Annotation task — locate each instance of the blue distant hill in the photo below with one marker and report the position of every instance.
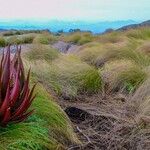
(55, 25)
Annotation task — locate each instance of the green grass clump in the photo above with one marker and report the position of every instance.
(13, 40)
(131, 78)
(113, 37)
(79, 38)
(47, 128)
(2, 42)
(123, 74)
(9, 33)
(79, 76)
(19, 39)
(140, 34)
(136, 56)
(90, 81)
(128, 52)
(89, 52)
(42, 52)
(145, 48)
(44, 39)
(27, 39)
(68, 76)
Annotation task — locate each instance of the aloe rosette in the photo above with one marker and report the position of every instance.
(15, 93)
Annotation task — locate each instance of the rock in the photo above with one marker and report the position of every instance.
(64, 47)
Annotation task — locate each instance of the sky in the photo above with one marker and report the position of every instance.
(102, 10)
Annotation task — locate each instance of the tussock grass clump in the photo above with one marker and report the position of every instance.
(27, 39)
(42, 52)
(68, 76)
(20, 39)
(97, 53)
(13, 40)
(113, 37)
(140, 34)
(123, 74)
(142, 94)
(79, 38)
(2, 42)
(78, 74)
(10, 33)
(48, 128)
(133, 55)
(89, 52)
(44, 39)
(145, 48)
(123, 53)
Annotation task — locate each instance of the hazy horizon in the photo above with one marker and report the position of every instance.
(95, 16)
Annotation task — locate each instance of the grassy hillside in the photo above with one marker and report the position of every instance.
(107, 75)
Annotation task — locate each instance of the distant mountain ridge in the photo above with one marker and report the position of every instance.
(133, 26)
(56, 25)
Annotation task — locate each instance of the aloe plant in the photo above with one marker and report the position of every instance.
(15, 94)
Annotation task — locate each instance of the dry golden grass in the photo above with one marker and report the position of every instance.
(44, 38)
(79, 38)
(145, 48)
(114, 37)
(67, 75)
(142, 33)
(123, 74)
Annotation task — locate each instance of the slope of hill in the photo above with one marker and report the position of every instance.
(133, 26)
(103, 85)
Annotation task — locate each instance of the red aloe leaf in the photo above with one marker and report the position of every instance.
(6, 72)
(15, 92)
(29, 103)
(22, 77)
(32, 90)
(1, 76)
(22, 107)
(7, 116)
(5, 103)
(26, 86)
